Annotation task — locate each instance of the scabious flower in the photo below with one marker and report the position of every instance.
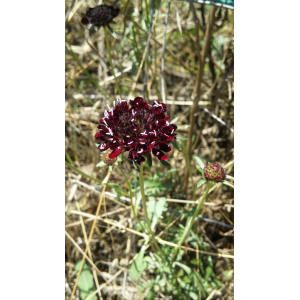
(214, 172)
(100, 15)
(137, 127)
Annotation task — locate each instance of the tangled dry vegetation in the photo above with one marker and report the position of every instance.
(90, 86)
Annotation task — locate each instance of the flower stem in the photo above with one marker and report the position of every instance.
(131, 197)
(190, 221)
(188, 162)
(110, 61)
(150, 232)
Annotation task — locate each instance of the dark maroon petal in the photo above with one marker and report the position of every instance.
(132, 155)
(164, 147)
(143, 149)
(103, 147)
(136, 157)
(97, 136)
(140, 160)
(85, 21)
(115, 153)
(159, 154)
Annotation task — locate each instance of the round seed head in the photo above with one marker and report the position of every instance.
(214, 172)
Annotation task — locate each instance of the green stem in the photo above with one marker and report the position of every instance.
(131, 197)
(190, 221)
(110, 61)
(141, 179)
(150, 232)
(188, 162)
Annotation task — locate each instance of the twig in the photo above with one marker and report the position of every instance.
(163, 57)
(148, 48)
(206, 45)
(143, 59)
(110, 61)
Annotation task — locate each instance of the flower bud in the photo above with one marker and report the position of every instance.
(107, 160)
(214, 172)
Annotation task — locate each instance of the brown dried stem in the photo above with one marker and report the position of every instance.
(194, 107)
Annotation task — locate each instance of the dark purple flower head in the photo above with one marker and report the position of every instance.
(214, 172)
(100, 15)
(137, 128)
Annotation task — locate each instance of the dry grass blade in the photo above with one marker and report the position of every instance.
(87, 258)
(89, 250)
(92, 231)
(121, 226)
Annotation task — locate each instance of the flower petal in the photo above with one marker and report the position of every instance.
(115, 153)
(164, 147)
(159, 154)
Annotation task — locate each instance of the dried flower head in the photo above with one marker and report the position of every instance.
(136, 127)
(100, 15)
(105, 157)
(214, 172)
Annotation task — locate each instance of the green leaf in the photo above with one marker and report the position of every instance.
(179, 255)
(174, 120)
(182, 284)
(193, 295)
(228, 274)
(183, 126)
(193, 138)
(101, 164)
(186, 279)
(138, 266)
(86, 283)
(155, 210)
(143, 286)
(199, 161)
(201, 182)
(162, 282)
(165, 163)
(198, 283)
(112, 31)
(187, 269)
(172, 170)
(134, 70)
(181, 137)
(228, 184)
(178, 22)
(209, 273)
(137, 201)
(151, 294)
(200, 170)
(149, 159)
(176, 145)
(143, 23)
(229, 177)
(136, 166)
